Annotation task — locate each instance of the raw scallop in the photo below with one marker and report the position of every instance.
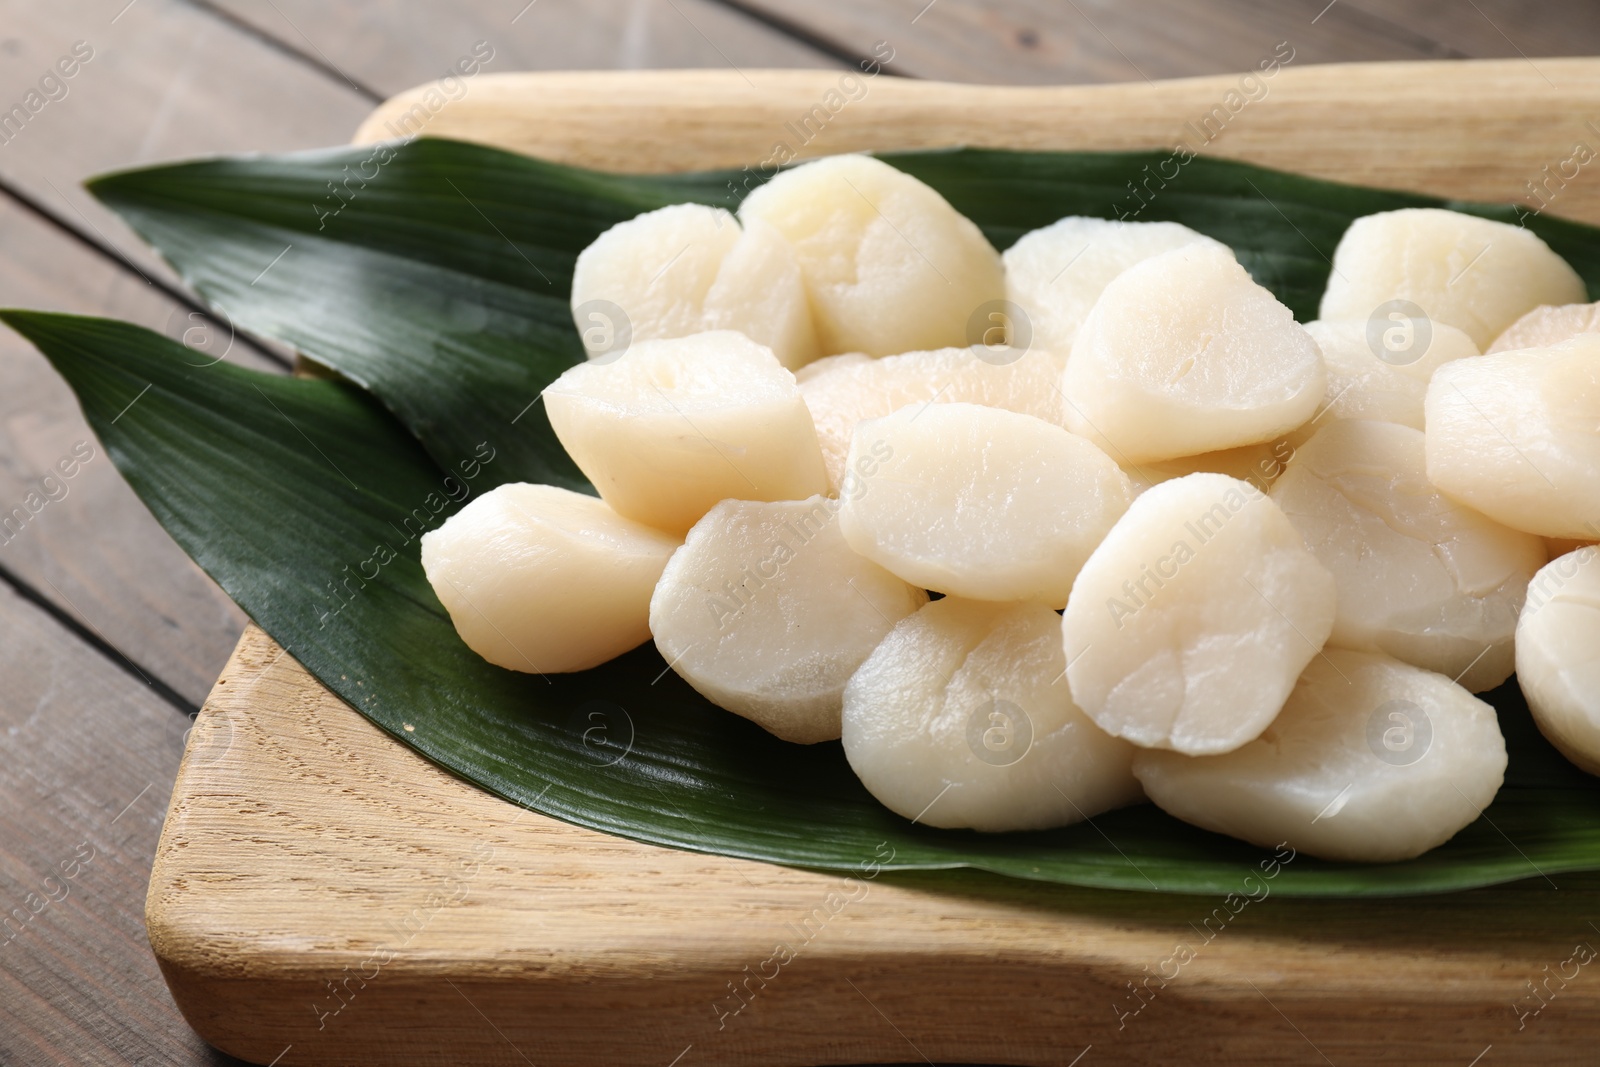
(1548, 325)
(767, 612)
(961, 718)
(845, 390)
(1426, 580)
(1514, 435)
(888, 264)
(545, 580)
(979, 502)
(1475, 274)
(1185, 354)
(1259, 464)
(1055, 274)
(1380, 372)
(674, 426)
(1188, 626)
(1371, 761)
(1558, 655)
(687, 269)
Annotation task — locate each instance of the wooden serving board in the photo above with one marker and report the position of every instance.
(323, 895)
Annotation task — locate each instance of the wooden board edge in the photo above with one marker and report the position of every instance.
(1364, 123)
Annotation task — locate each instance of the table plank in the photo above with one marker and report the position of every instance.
(167, 79)
(397, 45)
(96, 553)
(90, 756)
(1048, 42)
(1508, 28)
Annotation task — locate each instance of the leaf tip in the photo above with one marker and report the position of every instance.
(21, 319)
(120, 189)
(103, 187)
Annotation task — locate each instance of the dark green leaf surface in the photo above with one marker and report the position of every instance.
(423, 286)
(441, 287)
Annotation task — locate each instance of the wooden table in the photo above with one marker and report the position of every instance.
(109, 636)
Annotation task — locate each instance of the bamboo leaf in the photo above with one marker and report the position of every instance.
(440, 285)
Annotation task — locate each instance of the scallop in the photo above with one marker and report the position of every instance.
(674, 426)
(1380, 369)
(1371, 760)
(817, 368)
(846, 390)
(1548, 325)
(1513, 435)
(979, 502)
(1185, 354)
(1419, 577)
(1475, 274)
(1259, 464)
(1055, 274)
(545, 580)
(657, 268)
(1558, 655)
(688, 269)
(759, 292)
(767, 612)
(888, 264)
(1187, 627)
(961, 718)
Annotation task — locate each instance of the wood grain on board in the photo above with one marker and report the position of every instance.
(324, 895)
(1480, 129)
(317, 882)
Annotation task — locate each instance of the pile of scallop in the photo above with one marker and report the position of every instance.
(1089, 523)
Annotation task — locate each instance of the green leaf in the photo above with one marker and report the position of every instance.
(435, 274)
(283, 489)
(1283, 227)
(440, 285)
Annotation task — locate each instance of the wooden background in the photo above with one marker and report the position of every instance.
(109, 636)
